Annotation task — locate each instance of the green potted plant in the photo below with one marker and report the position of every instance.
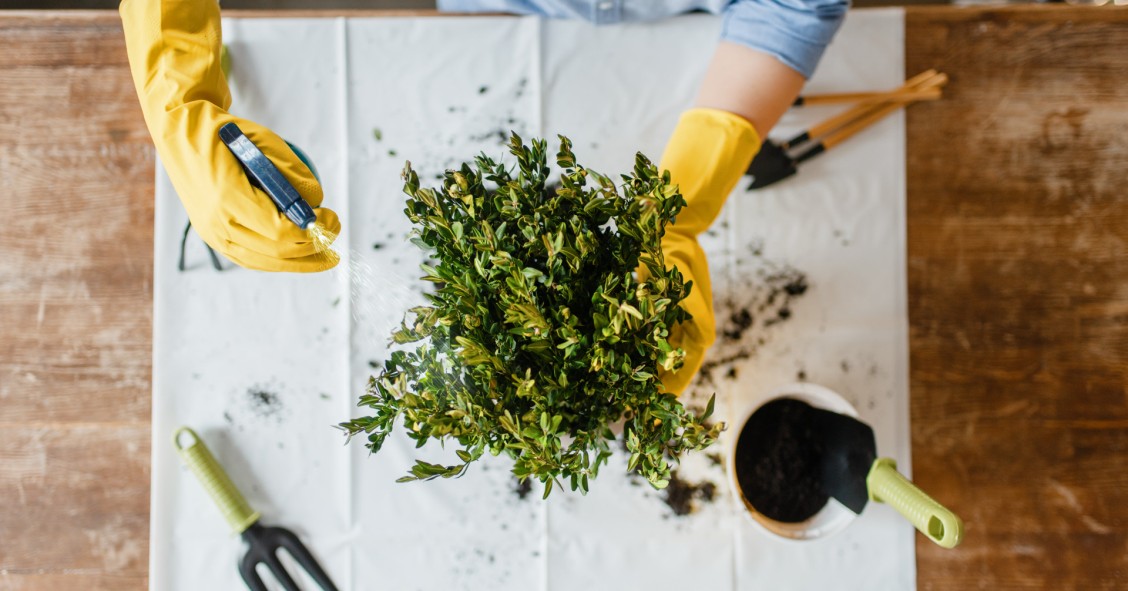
(539, 337)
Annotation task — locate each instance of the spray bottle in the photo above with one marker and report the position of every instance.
(267, 177)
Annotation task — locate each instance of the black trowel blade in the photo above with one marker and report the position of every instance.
(771, 165)
(848, 454)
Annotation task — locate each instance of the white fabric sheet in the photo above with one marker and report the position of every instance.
(262, 365)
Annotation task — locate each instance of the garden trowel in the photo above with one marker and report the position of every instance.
(777, 161)
(853, 474)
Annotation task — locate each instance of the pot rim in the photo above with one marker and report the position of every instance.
(834, 516)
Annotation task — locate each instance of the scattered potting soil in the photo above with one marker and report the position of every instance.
(747, 310)
(263, 402)
(479, 122)
(705, 374)
(682, 496)
(786, 284)
(522, 488)
(257, 404)
(778, 462)
(739, 321)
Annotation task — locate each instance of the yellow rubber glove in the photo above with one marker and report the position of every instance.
(706, 156)
(174, 55)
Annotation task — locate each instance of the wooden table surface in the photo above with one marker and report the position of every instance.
(1018, 299)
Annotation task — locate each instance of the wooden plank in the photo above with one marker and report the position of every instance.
(73, 580)
(1017, 299)
(82, 493)
(76, 186)
(1018, 276)
(57, 38)
(75, 289)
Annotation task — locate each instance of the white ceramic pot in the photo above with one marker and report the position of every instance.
(834, 516)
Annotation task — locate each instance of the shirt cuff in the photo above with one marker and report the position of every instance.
(796, 32)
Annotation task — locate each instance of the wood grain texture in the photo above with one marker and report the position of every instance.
(1018, 279)
(76, 188)
(1018, 294)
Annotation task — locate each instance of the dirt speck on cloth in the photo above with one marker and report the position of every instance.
(261, 403)
(748, 312)
(264, 401)
(473, 123)
(684, 497)
(522, 488)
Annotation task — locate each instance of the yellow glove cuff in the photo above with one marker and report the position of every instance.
(706, 156)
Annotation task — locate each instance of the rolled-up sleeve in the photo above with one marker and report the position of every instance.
(796, 32)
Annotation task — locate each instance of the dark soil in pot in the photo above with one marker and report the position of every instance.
(778, 462)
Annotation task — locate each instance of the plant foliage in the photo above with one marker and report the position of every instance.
(539, 336)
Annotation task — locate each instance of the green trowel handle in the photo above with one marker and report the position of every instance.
(203, 464)
(887, 485)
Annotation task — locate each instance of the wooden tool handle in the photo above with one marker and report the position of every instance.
(849, 130)
(922, 81)
(874, 114)
(871, 97)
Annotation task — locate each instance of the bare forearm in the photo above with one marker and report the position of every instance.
(749, 83)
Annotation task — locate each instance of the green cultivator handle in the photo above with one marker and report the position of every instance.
(203, 464)
(887, 485)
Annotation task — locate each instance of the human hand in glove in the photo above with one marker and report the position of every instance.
(706, 156)
(174, 55)
(744, 91)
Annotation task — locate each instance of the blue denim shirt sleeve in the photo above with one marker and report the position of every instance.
(796, 32)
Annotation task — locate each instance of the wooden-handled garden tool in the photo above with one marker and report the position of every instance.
(777, 161)
(263, 542)
(853, 474)
(811, 100)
